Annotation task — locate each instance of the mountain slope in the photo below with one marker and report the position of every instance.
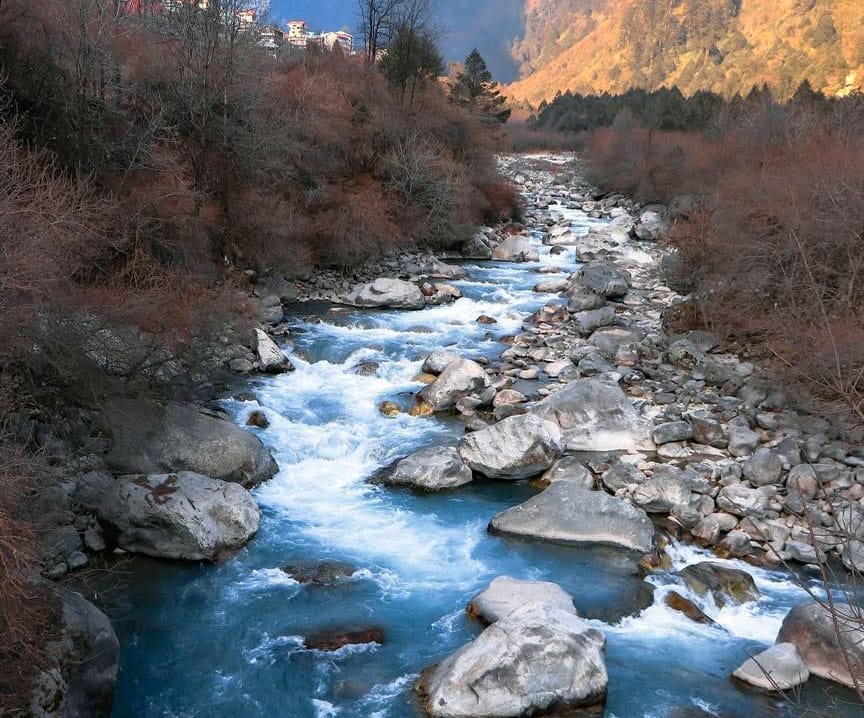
(721, 45)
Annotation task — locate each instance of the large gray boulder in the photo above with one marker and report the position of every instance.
(90, 684)
(435, 468)
(668, 489)
(603, 278)
(595, 416)
(505, 594)
(516, 249)
(830, 642)
(436, 269)
(460, 378)
(650, 226)
(777, 669)
(150, 438)
(569, 514)
(518, 447)
(537, 659)
(389, 293)
(180, 516)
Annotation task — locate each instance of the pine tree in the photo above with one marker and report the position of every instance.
(476, 90)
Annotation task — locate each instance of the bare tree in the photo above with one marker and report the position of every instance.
(377, 20)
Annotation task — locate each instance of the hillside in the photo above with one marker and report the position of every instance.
(727, 46)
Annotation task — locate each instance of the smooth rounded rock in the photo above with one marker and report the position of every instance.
(536, 659)
(505, 594)
(518, 447)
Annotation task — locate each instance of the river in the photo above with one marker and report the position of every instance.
(222, 641)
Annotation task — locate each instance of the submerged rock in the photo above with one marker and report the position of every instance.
(320, 573)
(536, 659)
(724, 584)
(435, 468)
(180, 516)
(567, 513)
(811, 628)
(777, 669)
(505, 594)
(679, 603)
(336, 639)
(518, 447)
(595, 416)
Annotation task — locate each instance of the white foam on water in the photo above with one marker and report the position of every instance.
(384, 694)
(323, 709)
(328, 438)
(269, 645)
(266, 579)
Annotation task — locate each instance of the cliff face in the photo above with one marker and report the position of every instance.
(722, 45)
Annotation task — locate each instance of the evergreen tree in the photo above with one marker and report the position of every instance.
(476, 90)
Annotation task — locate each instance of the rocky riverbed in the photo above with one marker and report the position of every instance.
(498, 487)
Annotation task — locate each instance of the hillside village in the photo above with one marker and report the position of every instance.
(295, 35)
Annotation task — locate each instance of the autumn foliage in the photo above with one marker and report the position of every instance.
(775, 247)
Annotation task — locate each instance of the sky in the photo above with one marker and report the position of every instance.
(465, 24)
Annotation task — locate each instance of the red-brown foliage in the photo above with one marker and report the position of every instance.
(776, 252)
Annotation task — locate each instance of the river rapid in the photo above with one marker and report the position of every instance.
(225, 640)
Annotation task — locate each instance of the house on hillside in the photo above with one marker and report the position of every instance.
(343, 39)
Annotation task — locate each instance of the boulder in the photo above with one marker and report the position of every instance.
(537, 659)
(150, 438)
(389, 293)
(437, 362)
(505, 594)
(742, 501)
(777, 669)
(742, 441)
(516, 249)
(604, 279)
(90, 684)
(763, 468)
(588, 321)
(595, 416)
(271, 359)
(684, 605)
(181, 516)
(649, 227)
(668, 489)
(849, 520)
(569, 468)
(333, 640)
(552, 286)
(518, 447)
(320, 573)
(672, 431)
(460, 378)
(435, 468)
(569, 514)
(582, 299)
(811, 628)
(436, 269)
(724, 584)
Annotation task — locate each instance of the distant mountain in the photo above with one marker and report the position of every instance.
(728, 46)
